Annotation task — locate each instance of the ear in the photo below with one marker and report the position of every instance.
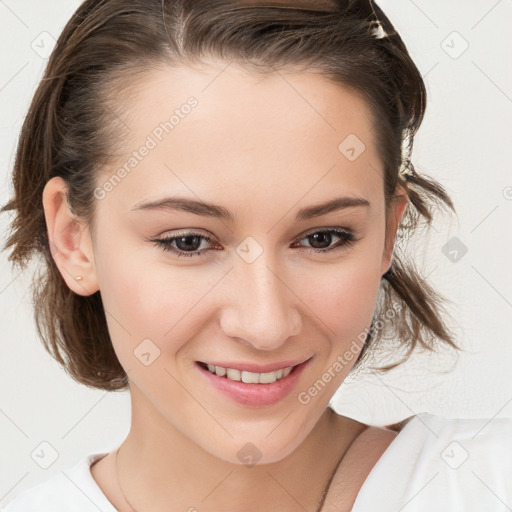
(397, 210)
(69, 238)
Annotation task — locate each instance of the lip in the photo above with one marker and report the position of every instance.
(254, 368)
(255, 395)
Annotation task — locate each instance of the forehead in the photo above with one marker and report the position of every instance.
(221, 125)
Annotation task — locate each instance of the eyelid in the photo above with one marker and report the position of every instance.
(346, 235)
(326, 228)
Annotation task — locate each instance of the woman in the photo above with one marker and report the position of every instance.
(217, 188)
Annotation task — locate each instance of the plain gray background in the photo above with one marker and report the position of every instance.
(463, 50)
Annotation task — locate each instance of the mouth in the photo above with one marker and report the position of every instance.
(249, 377)
(250, 384)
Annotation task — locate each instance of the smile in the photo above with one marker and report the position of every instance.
(251, 384)
(250, 377)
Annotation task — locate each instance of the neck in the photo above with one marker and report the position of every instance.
(156, 468)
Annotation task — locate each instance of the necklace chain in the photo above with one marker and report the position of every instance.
(320, 501)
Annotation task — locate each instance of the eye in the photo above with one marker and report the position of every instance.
(321, 240)
(184, 244)
(189, 244)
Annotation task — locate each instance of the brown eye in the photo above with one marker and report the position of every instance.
(188, 243)
(185, 244)
(321, 240)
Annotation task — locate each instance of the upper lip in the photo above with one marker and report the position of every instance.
(256, 368)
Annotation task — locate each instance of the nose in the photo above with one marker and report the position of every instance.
(261, 308)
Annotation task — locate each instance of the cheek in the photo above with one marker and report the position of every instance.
(343, 296)
(146, 299)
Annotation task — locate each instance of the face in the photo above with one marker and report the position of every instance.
(264, 280)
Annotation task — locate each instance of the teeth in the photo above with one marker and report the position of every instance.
(267, 378)
(233, 374)
(250, 377)
(221, 372)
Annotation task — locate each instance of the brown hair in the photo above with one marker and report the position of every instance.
(106, 41)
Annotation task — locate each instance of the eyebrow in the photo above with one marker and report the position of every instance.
(216, 211)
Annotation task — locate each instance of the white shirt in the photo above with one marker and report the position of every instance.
(434, 464)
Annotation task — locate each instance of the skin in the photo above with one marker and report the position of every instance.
(262, 148)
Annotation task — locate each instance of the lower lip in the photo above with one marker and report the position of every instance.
(255, 395)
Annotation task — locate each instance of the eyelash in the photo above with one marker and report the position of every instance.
(347, 237)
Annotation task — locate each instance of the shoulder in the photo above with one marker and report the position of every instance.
(365, 450)
(70, 490)
(443, 463)
(368, 447)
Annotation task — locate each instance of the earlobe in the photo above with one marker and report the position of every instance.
(69, 239)
(395, 217)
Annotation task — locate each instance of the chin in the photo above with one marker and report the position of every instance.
(257, 449)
